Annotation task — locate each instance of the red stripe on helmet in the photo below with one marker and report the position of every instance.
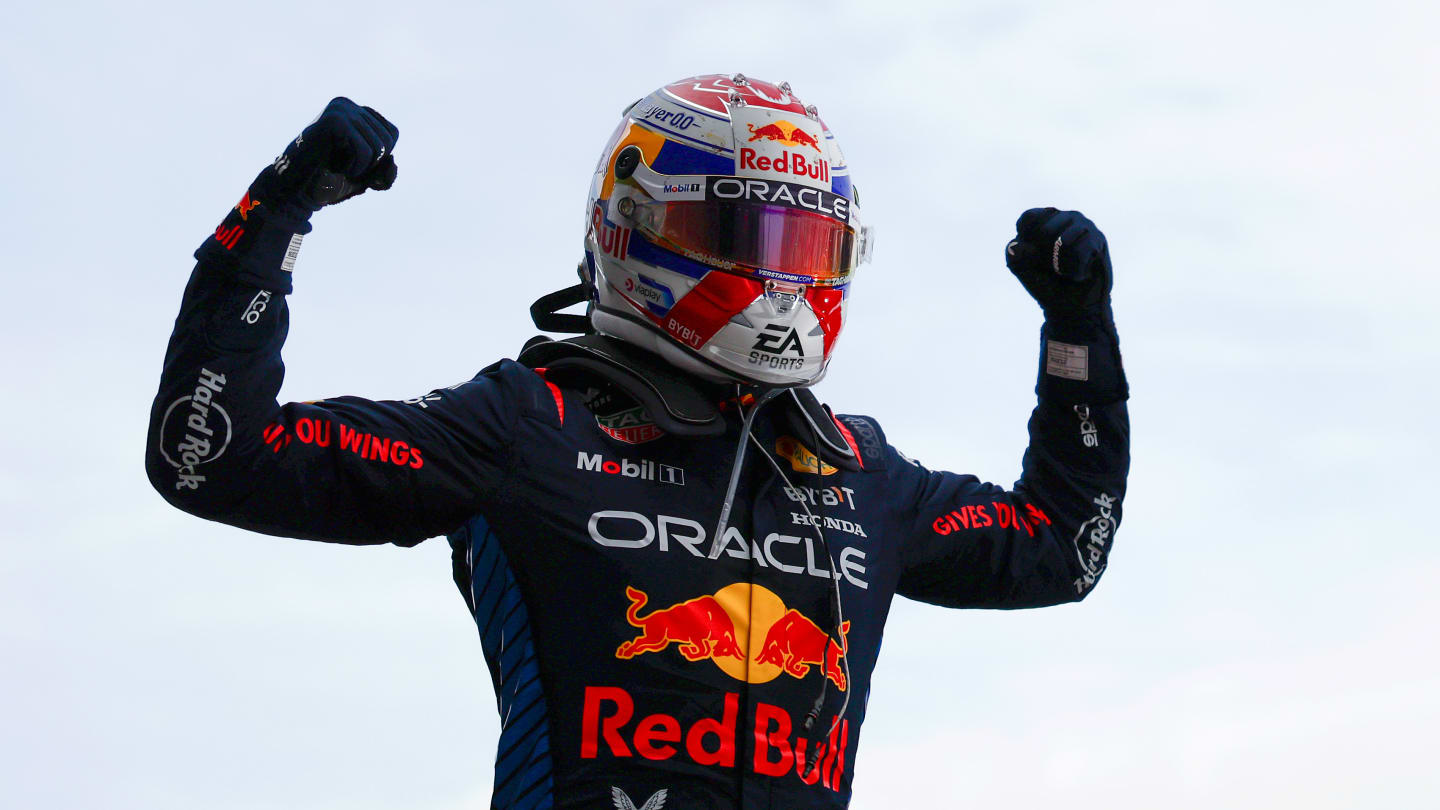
(826, 303)
(702, 312)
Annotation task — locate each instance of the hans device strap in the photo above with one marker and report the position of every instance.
(671, 397)
(672, 400)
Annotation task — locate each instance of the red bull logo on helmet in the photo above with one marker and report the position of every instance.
(783, 132)
(611, 239)
(772, 146)
(746, 630)
(793, 166)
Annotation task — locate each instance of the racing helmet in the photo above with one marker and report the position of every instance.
(722, 232)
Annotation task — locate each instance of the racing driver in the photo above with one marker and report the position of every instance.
(680, 562)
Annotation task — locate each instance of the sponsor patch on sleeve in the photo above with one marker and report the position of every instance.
(1067, 360)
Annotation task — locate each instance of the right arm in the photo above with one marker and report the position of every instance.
(348, 470)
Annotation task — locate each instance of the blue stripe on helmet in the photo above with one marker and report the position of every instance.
(677, 158)
(644, 250)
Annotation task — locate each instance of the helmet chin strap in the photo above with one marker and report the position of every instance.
(546, 314)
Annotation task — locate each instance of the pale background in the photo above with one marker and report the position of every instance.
(1265, 636)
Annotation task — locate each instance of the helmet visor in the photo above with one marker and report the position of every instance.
(762, 228)
(769, 240)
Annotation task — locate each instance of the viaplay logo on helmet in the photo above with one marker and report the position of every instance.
(775, 146)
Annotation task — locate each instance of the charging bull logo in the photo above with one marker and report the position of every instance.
(795, 642)
(783, 132)
(700, 626)
(746, 630)
(246, 205)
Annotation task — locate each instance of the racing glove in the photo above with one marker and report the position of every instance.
(1063, 261)
(345, 151)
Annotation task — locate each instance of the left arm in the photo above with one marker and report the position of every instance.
(1047, 540)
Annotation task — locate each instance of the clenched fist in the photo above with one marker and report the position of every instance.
(345, 151)
(1063, 261)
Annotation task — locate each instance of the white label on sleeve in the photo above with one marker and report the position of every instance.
(291, 253)
(1066, 360)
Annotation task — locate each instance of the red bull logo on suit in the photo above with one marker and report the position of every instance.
(699, 626)
(613, 725)
(746, 630)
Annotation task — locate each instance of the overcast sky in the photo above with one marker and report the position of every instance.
(1264, 636)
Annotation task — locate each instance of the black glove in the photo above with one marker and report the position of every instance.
(345, 151)
(1064, 263)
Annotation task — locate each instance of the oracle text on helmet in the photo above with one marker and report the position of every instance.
(777, 193)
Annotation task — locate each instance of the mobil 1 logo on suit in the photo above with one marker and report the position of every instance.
(644, 469)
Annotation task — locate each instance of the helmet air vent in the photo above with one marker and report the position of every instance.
(626, 162)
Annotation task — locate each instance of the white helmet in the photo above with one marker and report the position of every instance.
(722, 232)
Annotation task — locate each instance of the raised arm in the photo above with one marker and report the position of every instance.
(1048, 539)
(347, 470)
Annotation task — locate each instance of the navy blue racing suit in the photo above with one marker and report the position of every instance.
(629, 665)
